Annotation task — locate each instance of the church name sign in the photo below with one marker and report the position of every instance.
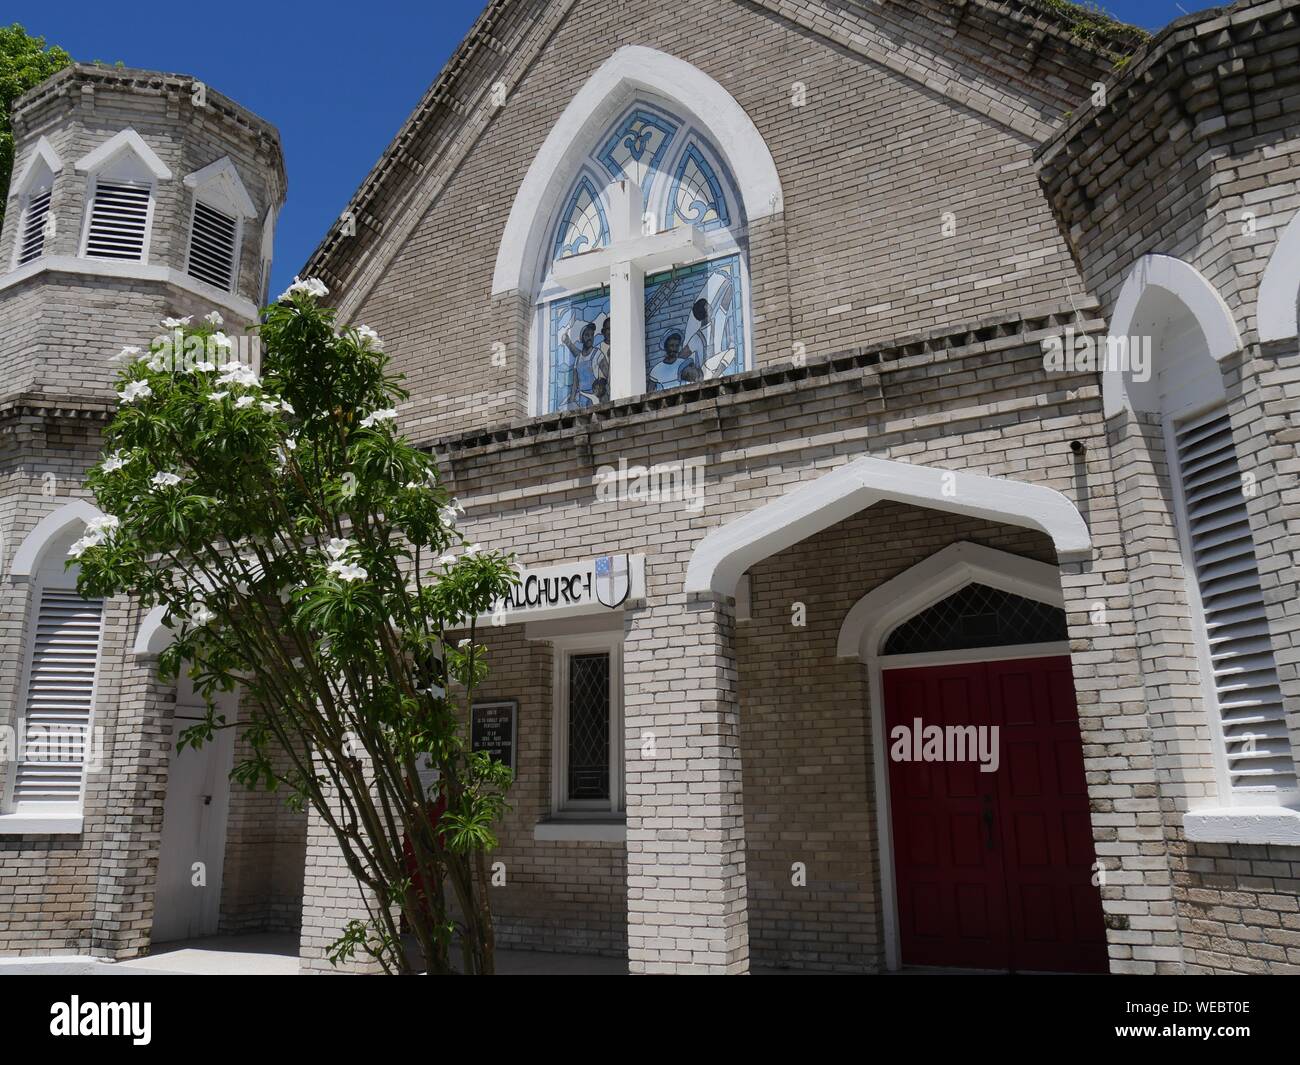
(590, 586)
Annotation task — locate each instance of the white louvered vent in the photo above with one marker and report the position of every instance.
(119, 220)
(1223, 552)
(31, 237)
(213, 240)
(60, 692)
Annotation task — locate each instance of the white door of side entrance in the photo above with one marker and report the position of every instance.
(187, 899)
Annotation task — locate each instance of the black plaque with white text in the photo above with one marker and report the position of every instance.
(492, 729)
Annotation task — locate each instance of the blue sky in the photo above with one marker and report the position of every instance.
(337, 79)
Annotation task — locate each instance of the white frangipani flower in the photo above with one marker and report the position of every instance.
(220, 340)
(375, 417)
(238, 373)
(348, 571)
(447, 560)
(472, 549)
(128, 352)
(310, 286)
(204, 366)
(368, 335)
(79, 547)
(286, 406)
(135, 390)
(270, 408)
(113, 462)
(200, 614)
(462, 644)
(164, 480)
(173, 323)
(244, 402)
(337, 548)
(217, 397)
(214, 318)
(103, 524)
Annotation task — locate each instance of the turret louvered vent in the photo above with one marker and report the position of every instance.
(60, 694)
(31, 236)
(1227, 575)
(213, 240)
(119, 221)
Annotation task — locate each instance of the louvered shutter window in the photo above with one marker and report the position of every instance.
(1227, 575)
(60, 691)
(213, 239)
(31, 234)
(119, 220)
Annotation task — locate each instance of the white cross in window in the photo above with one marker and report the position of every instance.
(636, 248)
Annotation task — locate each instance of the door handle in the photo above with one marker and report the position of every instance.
(988, 822)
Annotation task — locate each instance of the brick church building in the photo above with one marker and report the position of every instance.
(892, 409)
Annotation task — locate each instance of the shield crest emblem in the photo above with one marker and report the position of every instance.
(613, 580)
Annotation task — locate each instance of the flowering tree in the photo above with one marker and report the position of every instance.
(306, 552)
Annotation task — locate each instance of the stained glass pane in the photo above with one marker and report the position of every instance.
(694, 327)
(583, 225)
(636, 148)
(589, 726)
(978, 616)
(578, 330)
(697, 198)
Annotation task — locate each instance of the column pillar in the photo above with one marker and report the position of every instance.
(331, 897)
(686, 897)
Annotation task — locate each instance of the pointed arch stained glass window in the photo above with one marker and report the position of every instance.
(694, 330)
(637, 147)
(583, 225)
(697, 198)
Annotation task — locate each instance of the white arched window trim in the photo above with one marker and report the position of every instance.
(38, 563)
(1181, 410)
(218, 187)
(34, 183)
(1186, 284)
(631, 71)
(640, 233)
(706, 116)
(123, 158)
(1279, 289)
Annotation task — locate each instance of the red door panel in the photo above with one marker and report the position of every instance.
(951, 890)
(994, 870)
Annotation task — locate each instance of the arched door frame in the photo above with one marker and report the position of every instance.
(871, 620)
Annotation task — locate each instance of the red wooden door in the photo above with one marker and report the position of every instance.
(994, 870)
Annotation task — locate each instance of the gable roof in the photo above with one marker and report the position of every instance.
(1047, 52)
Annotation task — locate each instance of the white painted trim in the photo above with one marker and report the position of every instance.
(926, 583)
(225, 177)
(1186, 284)
(606, 642)
(582, 830)
(1274, 825)
(153, 637)
(28, 556)
(630, 70)
(1007, 653)
(71, 264)
(43, 151)
(1279, 289)
(881, 610)
(24, 824)
(125, 140)
(728, 551)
